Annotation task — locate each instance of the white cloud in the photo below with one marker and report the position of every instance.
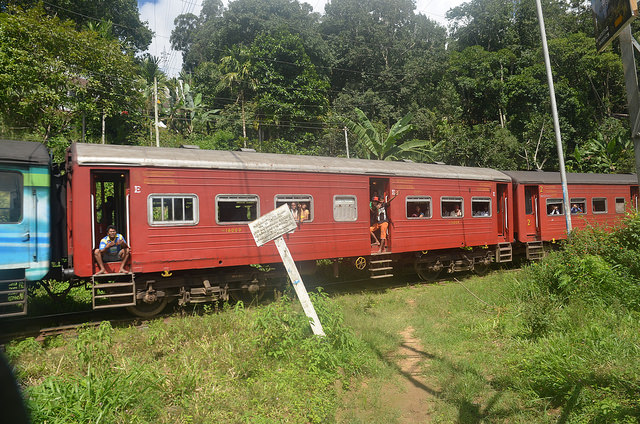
(160, 15)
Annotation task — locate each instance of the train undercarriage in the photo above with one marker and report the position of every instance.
(146, 295)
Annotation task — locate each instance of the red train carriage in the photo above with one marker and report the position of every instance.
(600, 199)
(184, 213)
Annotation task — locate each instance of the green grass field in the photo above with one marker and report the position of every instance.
(556, 342)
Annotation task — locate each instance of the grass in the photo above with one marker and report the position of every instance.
(462, 352)
(557, 342)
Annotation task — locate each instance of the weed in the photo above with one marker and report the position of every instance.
(93, 345)
(24, 347)
(103, 397)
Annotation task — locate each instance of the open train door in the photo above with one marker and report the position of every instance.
(379, 187)
(634, 197)
(532, 212)
(110, 202)
(501, 211)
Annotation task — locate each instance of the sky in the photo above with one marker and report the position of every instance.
(160, 15)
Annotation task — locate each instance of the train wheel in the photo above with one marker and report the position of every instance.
(481, 269)
(249, 295)
(425, 271)
(148, 310)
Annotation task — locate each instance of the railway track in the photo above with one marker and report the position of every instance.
(43, 326)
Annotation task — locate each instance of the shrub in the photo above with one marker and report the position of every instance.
(286, 333)
(580, 307)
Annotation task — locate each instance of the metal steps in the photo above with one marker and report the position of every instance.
(13, 298)
(504, 252)
(380, 267)
(113, 290)
(535, 250)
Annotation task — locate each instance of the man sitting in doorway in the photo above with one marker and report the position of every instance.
(113, 248)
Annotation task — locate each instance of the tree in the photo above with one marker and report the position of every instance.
(383, 47)
(51, 74)
(122, 14)
(152, 81)
(236, 76)
(185, 109)
(385, 146)
(216, 31)
(480, 77)
(291, 96)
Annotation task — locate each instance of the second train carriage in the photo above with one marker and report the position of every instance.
(596, 199)
(184, 213)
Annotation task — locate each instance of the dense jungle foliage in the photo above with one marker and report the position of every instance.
(275, 76)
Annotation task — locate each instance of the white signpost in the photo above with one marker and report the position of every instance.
(273, 226)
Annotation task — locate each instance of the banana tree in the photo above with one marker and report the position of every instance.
(386, 146)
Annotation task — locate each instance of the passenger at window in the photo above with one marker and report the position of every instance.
(113, 248)
(575, 209)
(418, 213)
(295, 211)
(304, 212)
(555, 210)
(456, 211)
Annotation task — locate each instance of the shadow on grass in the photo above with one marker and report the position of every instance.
(571, 404)
(468, 411)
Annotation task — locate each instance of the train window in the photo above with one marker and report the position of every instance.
(620, 205)
(172, 209)
(304, 204)
(452, 207)
(555, 207)
(599, 205)
(345, 208)
(481, 206)
(528, 199)
(10, 197)
(236, 208)
(578, 206)
(418, 207)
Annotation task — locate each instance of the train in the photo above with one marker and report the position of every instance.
(184, 213)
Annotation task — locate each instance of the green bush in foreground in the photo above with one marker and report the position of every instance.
(580, 335)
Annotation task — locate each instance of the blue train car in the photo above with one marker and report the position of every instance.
(25, 227)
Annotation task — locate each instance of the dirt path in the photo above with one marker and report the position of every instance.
(414, 399)
(408, 399)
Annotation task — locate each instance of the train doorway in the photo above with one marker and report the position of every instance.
(634, 197)
(501, 210)
(532, 212)
(109, 194)
(379, 189)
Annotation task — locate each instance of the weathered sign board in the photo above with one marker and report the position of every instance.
(272, 226)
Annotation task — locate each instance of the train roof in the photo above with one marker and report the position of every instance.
(539, 177)
(23, 152)
(140, 156)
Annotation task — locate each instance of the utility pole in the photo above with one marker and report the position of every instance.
(554, 113)
(103, 118)
(346, 141)
(155, 109)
